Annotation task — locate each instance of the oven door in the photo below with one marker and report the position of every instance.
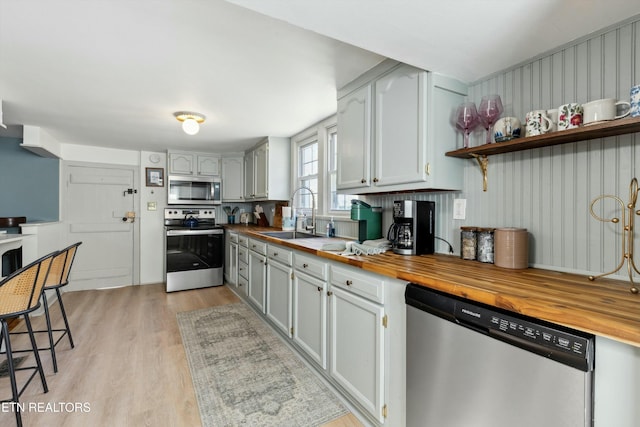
(189, 249)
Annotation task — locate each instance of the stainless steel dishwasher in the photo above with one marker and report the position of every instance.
(471, 365)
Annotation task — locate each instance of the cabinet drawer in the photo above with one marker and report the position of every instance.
(243, 254)
(365, 285)
(310, 265)
(243, 270)
(280, 254)
(243, 240)
(243, 283)
(258, 246)
(233, 237)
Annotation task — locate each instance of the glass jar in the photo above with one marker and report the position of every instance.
(485, 244)
(468, 242)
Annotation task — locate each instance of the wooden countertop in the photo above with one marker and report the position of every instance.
(603, 307)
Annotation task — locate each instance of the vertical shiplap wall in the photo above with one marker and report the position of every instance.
(549, 190)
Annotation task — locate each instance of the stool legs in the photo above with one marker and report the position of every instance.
(64, 316)
(50, 330)
(12, 371)
(32, 337)
(15, 393)
(52, 345)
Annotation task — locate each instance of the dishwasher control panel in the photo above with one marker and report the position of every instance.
(543, 336)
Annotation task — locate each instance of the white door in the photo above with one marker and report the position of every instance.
(95, 200)
(310, 316)
(249, 180)
(232, 179)
(400, 134)
(261, 170)
(257, 279)
(278, 304)
(354, 130)
(357, 349)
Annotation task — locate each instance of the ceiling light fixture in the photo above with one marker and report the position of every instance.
(190, 121)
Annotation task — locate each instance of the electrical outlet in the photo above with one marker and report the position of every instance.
(459, 208)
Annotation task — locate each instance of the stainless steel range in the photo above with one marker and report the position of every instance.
(194, 249)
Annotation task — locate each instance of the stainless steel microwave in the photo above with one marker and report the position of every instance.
(194, 190)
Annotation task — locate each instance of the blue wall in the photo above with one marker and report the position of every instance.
(29, 184)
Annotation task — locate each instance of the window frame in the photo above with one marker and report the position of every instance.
(320, 132)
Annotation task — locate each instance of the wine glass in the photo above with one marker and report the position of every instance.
(489, 111)
(467, 120)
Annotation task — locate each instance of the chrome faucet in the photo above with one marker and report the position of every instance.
(312, 227)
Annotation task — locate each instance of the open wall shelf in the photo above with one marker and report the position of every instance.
(583, 133)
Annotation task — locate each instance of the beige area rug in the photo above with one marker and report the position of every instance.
(244, 375)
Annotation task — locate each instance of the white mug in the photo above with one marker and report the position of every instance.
(603, 109)
(506, 129)
(537, 122)
(635, 101)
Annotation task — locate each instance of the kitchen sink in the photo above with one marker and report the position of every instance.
(288, 234)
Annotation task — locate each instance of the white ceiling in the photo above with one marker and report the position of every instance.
(111, 73)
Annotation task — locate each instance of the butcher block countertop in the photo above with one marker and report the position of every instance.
(603, 307)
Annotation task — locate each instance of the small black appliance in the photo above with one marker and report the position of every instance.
(412, 231)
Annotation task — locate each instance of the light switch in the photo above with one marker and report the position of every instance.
(151, 206)
(459, 208)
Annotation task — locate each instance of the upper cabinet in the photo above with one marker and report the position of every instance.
(267, 170)
(181, 163)
(233, 179)
(394, 130)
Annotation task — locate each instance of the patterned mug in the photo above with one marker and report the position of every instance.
(635, 101)
(569, 116)
(537, 122)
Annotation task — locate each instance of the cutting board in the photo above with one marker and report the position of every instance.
(277, 215)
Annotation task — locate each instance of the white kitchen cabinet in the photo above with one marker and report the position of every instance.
(279, 288)
(231, 258)
(232, 179)
(249, 175)
(356, 328)
(267, 170)
(354, 149)
(394, 129)
(348, 324)
(310, 316)
(257, 273)
(400, 127)
(193, 164)
(243, 265)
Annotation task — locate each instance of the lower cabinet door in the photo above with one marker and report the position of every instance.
(310, 316)
(232, 266)
(257, 267)
(278, 304)
(357, 348)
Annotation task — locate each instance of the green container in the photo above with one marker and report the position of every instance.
(369, 220)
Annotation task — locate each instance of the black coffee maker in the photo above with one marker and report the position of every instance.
(412, 231)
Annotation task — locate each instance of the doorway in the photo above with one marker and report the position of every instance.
(96, 199)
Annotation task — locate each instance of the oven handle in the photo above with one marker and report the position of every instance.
(193, 232)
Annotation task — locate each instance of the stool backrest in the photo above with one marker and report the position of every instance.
(20, 291)
(61, 266)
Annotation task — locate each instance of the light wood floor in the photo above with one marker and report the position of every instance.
(128, 367)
